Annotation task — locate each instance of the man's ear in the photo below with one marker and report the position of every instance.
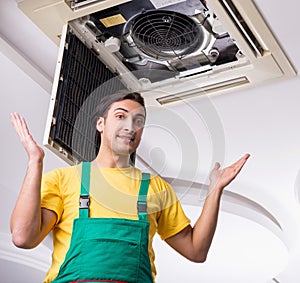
(100, 124)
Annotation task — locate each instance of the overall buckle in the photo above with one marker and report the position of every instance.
(84, 201)
(142, 206)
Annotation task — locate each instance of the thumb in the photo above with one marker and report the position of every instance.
(217, 166)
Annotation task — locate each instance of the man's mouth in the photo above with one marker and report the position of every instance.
(127, 138)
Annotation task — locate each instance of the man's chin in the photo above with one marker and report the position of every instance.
(124, 152)
(126, 149)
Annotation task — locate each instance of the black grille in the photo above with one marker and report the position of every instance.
(83, 76)
(165, 34)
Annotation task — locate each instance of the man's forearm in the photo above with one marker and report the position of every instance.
(205, 227)
(26, 216)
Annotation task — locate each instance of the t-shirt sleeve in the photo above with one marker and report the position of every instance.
(172, 218)
(50, 193)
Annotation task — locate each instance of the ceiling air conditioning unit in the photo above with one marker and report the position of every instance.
(168, 50)
(181, 48)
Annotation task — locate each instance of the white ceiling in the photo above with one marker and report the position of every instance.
(262, 121)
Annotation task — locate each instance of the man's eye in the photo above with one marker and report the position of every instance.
(120, 116)
(139, 122)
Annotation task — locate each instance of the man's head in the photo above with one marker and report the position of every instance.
(120, 119)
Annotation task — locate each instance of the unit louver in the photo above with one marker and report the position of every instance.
(76, 5)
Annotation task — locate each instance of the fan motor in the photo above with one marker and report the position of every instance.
(165, 34)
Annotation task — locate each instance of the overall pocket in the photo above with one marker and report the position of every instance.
(110, 259)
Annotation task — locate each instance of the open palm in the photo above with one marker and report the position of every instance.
(32, 149)
(220, 178)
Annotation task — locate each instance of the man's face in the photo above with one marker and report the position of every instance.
(123, 126)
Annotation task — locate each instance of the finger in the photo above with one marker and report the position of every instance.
(238, 165)
(244, 158)
(24, 126)
(217, 166)
(16, 121)
(14, 118)
(20, 126)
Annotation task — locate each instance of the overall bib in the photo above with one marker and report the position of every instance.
(108, 249)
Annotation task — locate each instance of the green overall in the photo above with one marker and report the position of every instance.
(108, 249)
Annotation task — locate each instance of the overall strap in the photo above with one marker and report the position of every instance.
(84, 200)
(142, 198)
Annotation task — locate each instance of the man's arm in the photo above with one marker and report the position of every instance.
(29, 223)
(194, 242)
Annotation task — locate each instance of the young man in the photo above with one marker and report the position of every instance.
(108, 237)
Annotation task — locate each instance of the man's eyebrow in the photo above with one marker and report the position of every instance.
(140, 114)
(127, 111)
(120, 108)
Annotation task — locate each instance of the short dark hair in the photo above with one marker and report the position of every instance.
(103, 107)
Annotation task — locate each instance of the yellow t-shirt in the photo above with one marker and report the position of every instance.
(113, 194)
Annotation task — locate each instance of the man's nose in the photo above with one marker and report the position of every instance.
(129, 124)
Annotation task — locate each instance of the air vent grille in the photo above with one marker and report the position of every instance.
(81, 75)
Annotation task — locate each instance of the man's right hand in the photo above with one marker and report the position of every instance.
(29, 222)
(34, 152)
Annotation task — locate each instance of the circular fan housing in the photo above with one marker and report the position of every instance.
(165, 34)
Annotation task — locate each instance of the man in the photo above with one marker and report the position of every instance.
(109, 237)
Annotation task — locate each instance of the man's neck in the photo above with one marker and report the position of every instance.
(107, 159)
